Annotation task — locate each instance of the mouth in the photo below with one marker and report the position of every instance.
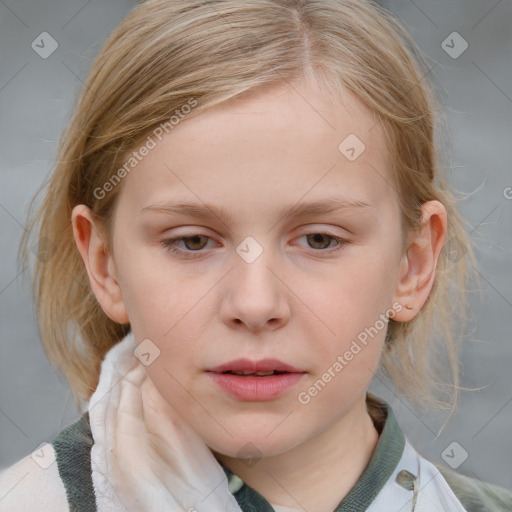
(247, 373)
(263, 367)
(255, 381)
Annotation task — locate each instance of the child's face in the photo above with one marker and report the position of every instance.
(294, 302)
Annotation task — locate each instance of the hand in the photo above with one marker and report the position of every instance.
(153, 460)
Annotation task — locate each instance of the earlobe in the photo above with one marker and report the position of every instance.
(417, 271)
(99, 263)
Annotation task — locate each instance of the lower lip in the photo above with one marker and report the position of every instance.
(256, 389)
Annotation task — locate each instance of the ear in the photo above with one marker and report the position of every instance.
(99, 263)
(418, 266)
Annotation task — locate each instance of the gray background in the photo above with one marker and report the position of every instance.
(476, 88)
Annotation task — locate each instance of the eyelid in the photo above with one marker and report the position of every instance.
(309, 229)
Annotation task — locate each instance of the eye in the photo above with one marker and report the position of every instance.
(193, 243)
(322, 241)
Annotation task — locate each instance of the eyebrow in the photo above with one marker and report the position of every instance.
(208, 211)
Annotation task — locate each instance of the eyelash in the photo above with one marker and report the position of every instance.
(170, 244)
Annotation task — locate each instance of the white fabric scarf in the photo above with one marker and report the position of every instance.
(143, 459)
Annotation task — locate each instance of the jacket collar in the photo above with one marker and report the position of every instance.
(383, 463)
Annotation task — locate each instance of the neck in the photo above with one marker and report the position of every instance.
(319, 473)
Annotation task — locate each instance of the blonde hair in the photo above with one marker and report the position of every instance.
(166, 52)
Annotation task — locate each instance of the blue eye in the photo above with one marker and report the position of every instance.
(194, 243)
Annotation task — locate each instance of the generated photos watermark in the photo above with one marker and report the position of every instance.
(357, 345)
(144, 150)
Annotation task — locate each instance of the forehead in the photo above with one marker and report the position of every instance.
(271, 145)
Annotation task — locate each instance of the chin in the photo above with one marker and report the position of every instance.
(251, 443)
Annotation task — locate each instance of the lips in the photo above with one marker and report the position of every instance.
(263, 367)
(255, 381)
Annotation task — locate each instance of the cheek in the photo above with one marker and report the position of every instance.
(355, 306)
(355, 295)
(157, 296)
(345, 368)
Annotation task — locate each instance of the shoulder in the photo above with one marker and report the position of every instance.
(57, 472)
(31, 485)
(477, 496)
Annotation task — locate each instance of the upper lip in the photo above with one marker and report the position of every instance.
(263, 365)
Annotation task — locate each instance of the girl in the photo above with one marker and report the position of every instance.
(248, 219)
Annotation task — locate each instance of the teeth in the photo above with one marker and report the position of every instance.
(248, 372)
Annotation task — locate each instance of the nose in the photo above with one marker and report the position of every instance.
(255, 296)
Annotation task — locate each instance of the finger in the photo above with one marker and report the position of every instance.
(179, 445)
